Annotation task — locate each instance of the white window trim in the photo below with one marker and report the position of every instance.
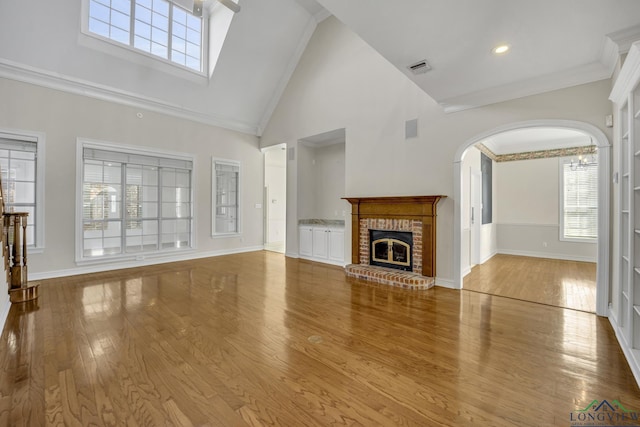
(215, 234)
(131, 149)
(39, 138)
(561, 162)
(140, 57)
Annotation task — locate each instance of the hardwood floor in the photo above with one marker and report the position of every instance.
(257, 339)
(568, 284)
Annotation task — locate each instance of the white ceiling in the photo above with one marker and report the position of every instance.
(554, 43)
(522, 140)
(312, 6)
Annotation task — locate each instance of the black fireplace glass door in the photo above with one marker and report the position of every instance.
(381, 249)
(400, 253)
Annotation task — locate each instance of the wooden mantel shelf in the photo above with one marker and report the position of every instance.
(421, 208)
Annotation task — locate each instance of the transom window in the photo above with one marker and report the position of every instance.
(133, 202)
(157, 27)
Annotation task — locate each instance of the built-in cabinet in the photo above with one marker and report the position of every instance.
(626, 315)
(321, 243)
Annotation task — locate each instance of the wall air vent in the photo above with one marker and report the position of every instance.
(420, 67)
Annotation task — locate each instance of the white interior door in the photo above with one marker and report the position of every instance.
(275, 194)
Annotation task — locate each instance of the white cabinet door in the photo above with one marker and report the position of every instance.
(336, 245)
(320, 237)
(306, 241)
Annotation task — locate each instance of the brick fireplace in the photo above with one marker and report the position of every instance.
(413, 214)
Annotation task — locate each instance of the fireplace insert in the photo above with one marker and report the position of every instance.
(391, 249)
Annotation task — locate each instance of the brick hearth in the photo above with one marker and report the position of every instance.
(390, 276)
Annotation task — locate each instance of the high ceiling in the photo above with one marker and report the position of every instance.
(554, 43)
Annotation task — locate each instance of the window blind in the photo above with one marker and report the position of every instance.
(580, 201)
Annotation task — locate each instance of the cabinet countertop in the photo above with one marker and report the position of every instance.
(322, 222)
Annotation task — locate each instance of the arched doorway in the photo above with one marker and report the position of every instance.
(604, 159)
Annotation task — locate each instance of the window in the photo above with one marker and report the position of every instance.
(157, 27)
(578, 201)
(22, 166)
(133, 202)
(226, 199)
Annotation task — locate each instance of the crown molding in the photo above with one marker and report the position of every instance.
(487, 152)
(618, 43)
(628, 76)
(625, 38)
(520, 89)
(44, 78)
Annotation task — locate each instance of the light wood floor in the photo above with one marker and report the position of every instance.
(257, 339)
(569, 284)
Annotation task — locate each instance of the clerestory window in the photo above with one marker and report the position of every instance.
(157, 27)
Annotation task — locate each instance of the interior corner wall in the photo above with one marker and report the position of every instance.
(341, 82)
(64, 117)
(330, 180)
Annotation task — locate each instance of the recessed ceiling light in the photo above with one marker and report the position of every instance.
(501, 49)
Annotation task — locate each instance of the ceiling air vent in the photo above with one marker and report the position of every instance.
(420, 67)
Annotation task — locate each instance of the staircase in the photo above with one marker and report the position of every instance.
(14, 252)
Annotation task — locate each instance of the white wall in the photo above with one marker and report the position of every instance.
(307, 188)
(341, 82)
(64, 117)
(529, 221)
(321, 181)
(330, 180)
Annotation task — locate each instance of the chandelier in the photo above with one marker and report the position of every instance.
(585, 161)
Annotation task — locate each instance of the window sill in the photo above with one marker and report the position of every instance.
(578, 240)
(225, 235)
(139, 57)
(132, 257)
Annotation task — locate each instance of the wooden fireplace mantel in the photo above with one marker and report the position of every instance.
(422, 208)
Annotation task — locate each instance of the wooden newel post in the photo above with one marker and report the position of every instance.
(15, 230)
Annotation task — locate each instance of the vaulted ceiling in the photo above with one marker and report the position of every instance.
(554, 44)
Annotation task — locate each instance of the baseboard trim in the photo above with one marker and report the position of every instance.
(547, 255)
(4, 313)
(445, 283)
(291, 255)
(131, 264)
(466, 271)
(488, 257)
(633, 363)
